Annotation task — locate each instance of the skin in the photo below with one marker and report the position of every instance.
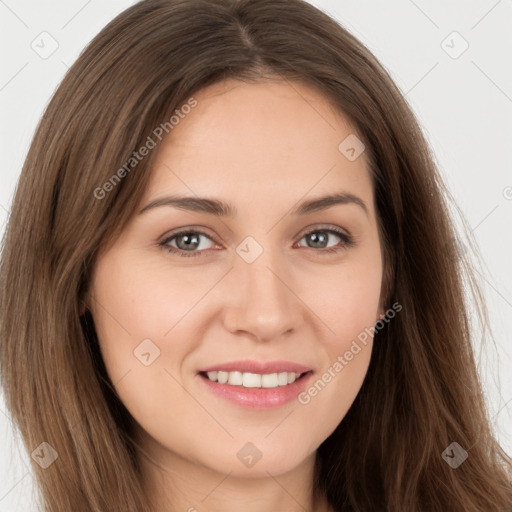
(263, 148)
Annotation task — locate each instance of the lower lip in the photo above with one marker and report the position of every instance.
(258, 398)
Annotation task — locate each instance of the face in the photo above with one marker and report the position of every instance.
(275, 287)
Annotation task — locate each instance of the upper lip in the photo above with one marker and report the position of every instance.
(252, 366)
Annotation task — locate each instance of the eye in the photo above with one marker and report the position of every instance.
(189, 242)
(185, 241)
(319, 237)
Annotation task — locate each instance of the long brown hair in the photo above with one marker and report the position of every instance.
(422, 391)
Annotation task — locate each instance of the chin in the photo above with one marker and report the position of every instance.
(258, 459)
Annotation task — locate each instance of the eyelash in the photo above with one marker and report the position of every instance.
(347, 242)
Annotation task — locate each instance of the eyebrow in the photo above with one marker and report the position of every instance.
(222, 209)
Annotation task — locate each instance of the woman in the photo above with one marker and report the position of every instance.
(175, 335)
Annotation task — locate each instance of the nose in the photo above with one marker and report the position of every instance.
(261, 299)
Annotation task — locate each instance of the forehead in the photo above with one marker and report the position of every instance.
(262, 140)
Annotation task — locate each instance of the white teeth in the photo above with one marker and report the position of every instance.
(254, 380)
(212, 375)
(269, 380)
(235, 378)
(251, 380)
(282, 378)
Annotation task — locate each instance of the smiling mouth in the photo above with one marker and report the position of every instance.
(254, 380)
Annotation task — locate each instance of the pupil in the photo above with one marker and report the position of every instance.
(190, 241)
(315, 238)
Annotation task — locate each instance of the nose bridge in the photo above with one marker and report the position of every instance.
(263, 303)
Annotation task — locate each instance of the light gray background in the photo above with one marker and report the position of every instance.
(464, 105)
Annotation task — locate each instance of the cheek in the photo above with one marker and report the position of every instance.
(146, 319)
(347, 301)
(128, 321)
(136, 300)
(333, 391)
(346, 357)
(134, 308)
